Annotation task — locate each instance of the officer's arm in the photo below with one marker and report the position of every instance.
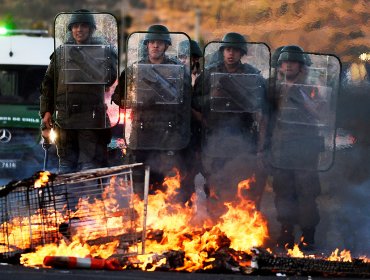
(47, 90)
(113, 66)
(262, 117)
(197, 96)
(119, 91)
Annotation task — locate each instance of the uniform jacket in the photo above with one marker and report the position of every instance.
(71, 101)
(245, 124)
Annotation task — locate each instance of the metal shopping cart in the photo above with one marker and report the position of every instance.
(95, 206)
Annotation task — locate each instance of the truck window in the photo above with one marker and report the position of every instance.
(20, 84)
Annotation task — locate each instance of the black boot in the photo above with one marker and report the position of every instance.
(286, 238)
(307, 242)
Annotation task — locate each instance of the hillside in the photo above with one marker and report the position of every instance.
(340, 27)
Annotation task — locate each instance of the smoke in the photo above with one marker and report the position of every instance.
(345, 187)
(344, 203)
(228, 157)
(344, 208)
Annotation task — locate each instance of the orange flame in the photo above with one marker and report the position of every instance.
(43, 180)
(241, 226)
(179, 227)
(344, 256)
(295, 252)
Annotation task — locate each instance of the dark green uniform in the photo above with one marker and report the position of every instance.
(296, 144)
(159, 131)
(231, 165)
(82, 107)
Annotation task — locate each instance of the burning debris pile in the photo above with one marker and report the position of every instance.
(268, 263)
(95, 220)
(50, 210)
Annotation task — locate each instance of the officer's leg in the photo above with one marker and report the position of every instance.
(308, 189)
(88, 143)
(286, 205)
(155, 160)
(101, 151)
(177, 160)
(221, 188)
(133, 156)
(258, 187)
(165, 164)
(67, 149)
(88, 146)
(191, 156)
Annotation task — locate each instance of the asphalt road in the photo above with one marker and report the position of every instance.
(10, 272)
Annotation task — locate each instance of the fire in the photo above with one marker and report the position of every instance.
(241, 227)
(182, 228)
(344, 256)
(20, 239)
(74, 249)
(173, 229)
(295, 252)
(365, 56)
(43, 180)
(243, 224)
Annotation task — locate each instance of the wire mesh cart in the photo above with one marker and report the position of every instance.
(95, 207)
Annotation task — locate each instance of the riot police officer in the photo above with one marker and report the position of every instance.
(296, 145)
(157, 88)
(152, 51)
(192, 152)
(233, 108)
(196, 55)
(75, 95)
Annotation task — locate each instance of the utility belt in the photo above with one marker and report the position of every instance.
(85, 108)
(81, 102)
(170, 125)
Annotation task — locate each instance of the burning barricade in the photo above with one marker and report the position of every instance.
(96, 220)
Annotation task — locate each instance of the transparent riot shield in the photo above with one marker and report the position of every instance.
(236, 92)
(158, 84)
(234, 103)
(86, 69)
(303, 136)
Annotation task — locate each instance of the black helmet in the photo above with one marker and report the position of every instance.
(292, 53)
(234, 40)
(194, 48)
(157, 32)
(82, 16)
(275, 56)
